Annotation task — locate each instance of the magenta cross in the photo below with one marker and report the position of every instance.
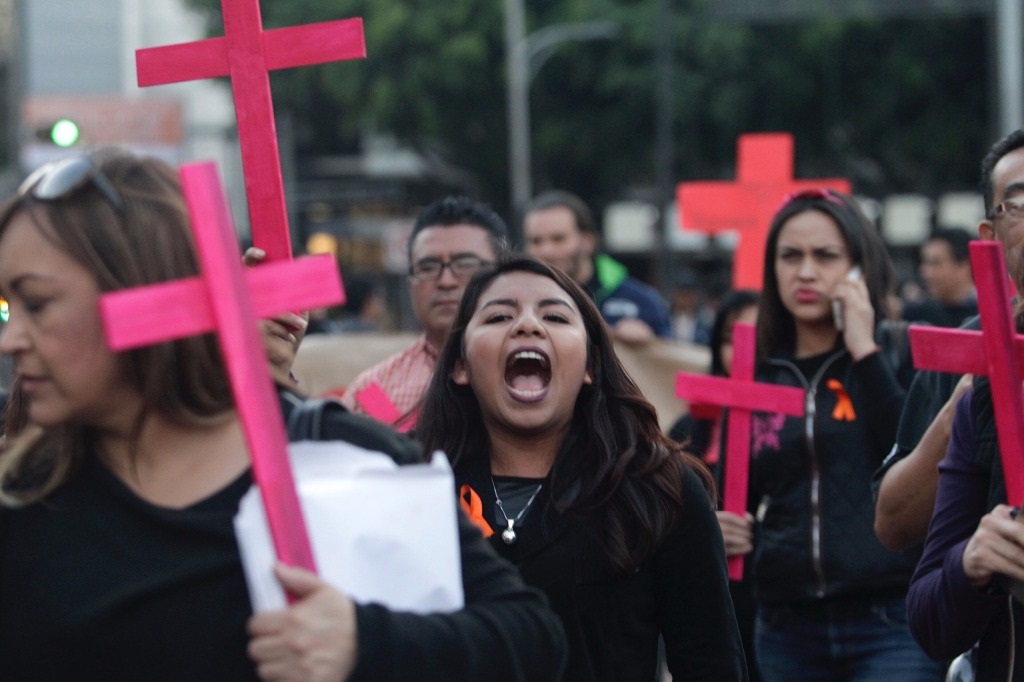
(222, 300)
(247, 53)
(376, 403)
(996, 352)
(742, 395)
(764, 177)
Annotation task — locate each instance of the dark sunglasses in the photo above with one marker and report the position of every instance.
(62, 178)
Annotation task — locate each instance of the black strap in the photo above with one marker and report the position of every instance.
(305, 420)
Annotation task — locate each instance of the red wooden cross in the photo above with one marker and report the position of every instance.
(742, 395)
(996, 353)
(764, 178)
(247, 53)
(220, 301)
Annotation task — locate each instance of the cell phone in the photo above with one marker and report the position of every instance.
(837, 306)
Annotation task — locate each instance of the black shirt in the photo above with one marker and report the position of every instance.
(98, 584)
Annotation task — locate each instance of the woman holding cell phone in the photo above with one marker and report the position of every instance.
(830, 597)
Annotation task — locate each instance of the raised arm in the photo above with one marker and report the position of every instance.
(906, 496)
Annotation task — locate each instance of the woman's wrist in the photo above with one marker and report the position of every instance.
(864, 351)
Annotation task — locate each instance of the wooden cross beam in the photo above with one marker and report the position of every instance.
(376, 403)
(219, 301)
(764, 177)
(742, 395)
(247, 53)
(996, 352)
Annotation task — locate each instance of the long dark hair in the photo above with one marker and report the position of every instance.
(776, 329)
(614, 466)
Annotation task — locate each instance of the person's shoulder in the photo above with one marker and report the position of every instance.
(631, 286)
(923, 310)
(379, 372)
(695, 488)
(973, 322)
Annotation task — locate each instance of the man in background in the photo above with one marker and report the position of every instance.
(908, 478)
(451, 240)
(559, 229)
(946, 273)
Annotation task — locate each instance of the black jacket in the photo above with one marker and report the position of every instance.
(613, 621)
(811, 476)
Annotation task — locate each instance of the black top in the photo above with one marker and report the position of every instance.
(940, 314)
(928, 393)
(97, 584)
(812, 548)
(613, 621)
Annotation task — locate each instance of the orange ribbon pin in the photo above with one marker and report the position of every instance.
(474, 508)
(843, 411)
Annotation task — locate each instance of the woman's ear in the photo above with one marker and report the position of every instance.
(587, 379)
(459, 375)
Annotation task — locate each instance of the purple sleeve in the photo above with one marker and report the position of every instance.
(945, 613)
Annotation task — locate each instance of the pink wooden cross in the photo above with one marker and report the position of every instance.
(742, 395)
(764, 178)
(376, 403)
(247, 53)
(219, 301)
(996, 352)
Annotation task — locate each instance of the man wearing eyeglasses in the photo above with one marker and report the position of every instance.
(451, 240)
(908, 478)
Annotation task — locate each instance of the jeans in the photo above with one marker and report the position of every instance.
(842, 640)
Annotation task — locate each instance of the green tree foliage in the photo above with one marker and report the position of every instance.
(895, 105)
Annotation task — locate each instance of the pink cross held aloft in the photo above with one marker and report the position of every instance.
(220, 301)
(247, 53)
(742, 395)
(764, 177)
(996, 351)
(376, 403)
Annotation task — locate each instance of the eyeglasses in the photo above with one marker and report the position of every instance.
(1014, 208)
(462, 267)
(62, 178)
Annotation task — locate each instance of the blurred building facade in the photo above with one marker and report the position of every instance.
(78, 63)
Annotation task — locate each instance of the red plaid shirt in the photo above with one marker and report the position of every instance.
(403, 377)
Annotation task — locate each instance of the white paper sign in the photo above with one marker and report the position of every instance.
(381, 532)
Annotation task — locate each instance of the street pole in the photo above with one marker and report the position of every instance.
(664, 143)
(524, 56)
(1011, 71)
(518, 109)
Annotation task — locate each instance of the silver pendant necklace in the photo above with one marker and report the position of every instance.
(508, 535)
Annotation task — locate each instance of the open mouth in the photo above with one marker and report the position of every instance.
(527, 374)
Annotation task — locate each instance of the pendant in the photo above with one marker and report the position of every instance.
(509, 535)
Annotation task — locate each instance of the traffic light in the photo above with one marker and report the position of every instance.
(63, 132)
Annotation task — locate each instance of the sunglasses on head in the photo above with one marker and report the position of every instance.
(816, 193)
(63, 178)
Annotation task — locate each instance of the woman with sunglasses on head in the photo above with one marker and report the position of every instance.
(830, 597)
(118, 559)
(561, 462)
